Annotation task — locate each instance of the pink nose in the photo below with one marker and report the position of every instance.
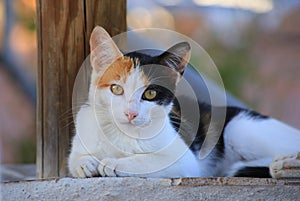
(131, 115)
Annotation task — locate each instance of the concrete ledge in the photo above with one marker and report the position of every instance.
(152, 189)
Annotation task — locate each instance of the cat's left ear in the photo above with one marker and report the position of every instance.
(177, 57)
(104, 51)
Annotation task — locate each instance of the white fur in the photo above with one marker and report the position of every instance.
(106, 143)
(255, 142)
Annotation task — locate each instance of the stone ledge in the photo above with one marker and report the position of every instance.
(152, 189)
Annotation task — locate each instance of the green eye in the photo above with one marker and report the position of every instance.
(150, 94)
(116, 89)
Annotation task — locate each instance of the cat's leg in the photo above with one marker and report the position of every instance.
(173, 159)
(129, 166)
(84, 166)
(83, 159)
(286, 166)
(150, 165)
(82, 162)
(254, 139)
(139, 166)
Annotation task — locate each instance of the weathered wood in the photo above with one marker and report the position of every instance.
(64, 27)
(111, 15)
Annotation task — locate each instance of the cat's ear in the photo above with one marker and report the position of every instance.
(103, 50)
(177, 57)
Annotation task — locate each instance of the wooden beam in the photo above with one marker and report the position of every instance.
(64, 28)
(111, 15)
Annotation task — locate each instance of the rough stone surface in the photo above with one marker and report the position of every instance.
(152, 189)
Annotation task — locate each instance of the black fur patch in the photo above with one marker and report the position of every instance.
(192, 131)
(161, 78)
(256, 116)
(164, 96)
(255, 172)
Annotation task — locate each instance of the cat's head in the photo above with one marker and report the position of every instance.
(134, 89)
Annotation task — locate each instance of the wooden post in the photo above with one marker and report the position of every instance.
(64, 28)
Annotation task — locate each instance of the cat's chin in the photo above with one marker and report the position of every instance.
(143, 130)
(134, 124)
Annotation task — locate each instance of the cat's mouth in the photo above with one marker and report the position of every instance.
(145, 130)
(136, 123)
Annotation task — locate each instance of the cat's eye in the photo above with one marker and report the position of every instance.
(116, 89)
(150, 94)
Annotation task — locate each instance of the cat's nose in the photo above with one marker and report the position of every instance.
(131, 115)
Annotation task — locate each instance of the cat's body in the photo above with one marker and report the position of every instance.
(133, 125)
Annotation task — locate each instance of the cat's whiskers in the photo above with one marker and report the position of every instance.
(69, 112)
(68, 124)
(176, 118)
(67, 118)
(175, 122)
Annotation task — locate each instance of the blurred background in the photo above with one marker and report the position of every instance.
(255, 45)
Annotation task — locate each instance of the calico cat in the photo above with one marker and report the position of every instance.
(133, 125)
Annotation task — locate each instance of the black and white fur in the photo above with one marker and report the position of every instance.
(170, 147)
(248, 143)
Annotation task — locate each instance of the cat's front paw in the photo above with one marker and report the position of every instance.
(107, 167)
(110, 167)
(286, 166)
(85, 166)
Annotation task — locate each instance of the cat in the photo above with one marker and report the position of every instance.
(133, 125)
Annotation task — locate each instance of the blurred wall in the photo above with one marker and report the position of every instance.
(255, 45)
(256, 48)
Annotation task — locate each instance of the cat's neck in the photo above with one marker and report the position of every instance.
(152, 137)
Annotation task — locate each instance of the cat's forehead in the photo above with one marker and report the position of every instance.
(136, 71)
(117, 71)
(124, 70)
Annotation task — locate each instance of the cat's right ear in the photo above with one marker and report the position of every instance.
(177, 57)
(103, 50)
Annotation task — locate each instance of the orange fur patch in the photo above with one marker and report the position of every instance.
(116, 71)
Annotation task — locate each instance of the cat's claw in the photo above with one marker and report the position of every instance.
(286, 166)
(87, 167)
(107, 167)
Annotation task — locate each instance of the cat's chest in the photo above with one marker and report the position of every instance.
(119, 144)
(115, 143)
(105, 139)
